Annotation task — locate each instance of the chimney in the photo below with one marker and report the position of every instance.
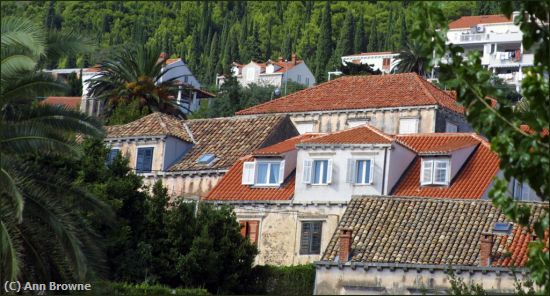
(345, 244)
(293, 59)
(281, 59)
(485, 247)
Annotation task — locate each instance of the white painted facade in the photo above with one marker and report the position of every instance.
(500, 45)
(383, 61)
(268, 74)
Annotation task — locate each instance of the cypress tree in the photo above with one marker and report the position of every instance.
(324, 45)
(346, 41)
(359, 36)
(268, 45)
(50, 16)
(388, 39)
(286, 49)
(373, 37)
(404, 37)
(212, 59)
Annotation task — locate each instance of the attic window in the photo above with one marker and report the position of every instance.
(502, 228)
(435, 172)
(206, 158)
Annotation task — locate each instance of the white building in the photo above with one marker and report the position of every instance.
(499, 42)
(188, 100)
(383, 61)
(274, 73)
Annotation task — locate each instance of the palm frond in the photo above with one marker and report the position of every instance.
(30, 138)
(22, 34)
(15, 65)
(29, 86)
(9, 187)
(61, 43)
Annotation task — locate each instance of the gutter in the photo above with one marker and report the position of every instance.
(419, 267)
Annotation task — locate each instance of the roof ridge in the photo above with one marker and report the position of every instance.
(425, 89)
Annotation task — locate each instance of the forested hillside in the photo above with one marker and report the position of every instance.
(209, 35)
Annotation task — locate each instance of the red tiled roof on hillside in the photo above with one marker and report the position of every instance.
(471, 181)
(361, 92)
(287, 145)
(470, 21)
(69, 102)
(231, 187)
(363, 134)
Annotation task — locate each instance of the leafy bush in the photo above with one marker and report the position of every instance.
(281, 280)
(122, 289)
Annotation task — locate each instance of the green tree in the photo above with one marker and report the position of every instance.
(359, 41)
(358, 69)
(42, 236)
(412, 59)
(135, 76)
(403, 39)
(324, 47)
(346, 41)
(523, 152)
(373, 37)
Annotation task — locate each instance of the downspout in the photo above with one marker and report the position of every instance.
(384, 170)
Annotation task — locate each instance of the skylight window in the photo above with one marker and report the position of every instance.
(206, 158)
(502, 228)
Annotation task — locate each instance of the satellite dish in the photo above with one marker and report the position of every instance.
(277, 92)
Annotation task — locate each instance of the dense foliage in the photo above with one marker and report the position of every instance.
(519, 136)
(282, 280)
(209, 35)
(124, 289)
(43, 233)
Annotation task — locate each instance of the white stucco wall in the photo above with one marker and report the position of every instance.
(180, 69)
(458, 159)
(384, 281)
(399, 160)
(304, 72)
(377, 61)
(339, 189)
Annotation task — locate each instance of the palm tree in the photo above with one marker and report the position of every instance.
(410, 60)
(136, 75)
(42, 236)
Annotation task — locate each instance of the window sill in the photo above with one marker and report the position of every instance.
(319, 184)
(265, 186)
(362, 184)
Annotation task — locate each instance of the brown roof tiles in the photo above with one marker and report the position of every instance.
(154, 124)
(428, 231)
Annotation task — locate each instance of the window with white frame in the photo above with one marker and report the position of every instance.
(317, 171)
(263, 172)
(363, 171)
(307, 80)
(435, 171)
(408, 125)
(451, 127)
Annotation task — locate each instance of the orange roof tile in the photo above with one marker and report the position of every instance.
(471, 181)
(363, 134)
(231, 188)
(437, 142)
(286, 146)
(361, 92)
(470, 21)
(69, 102)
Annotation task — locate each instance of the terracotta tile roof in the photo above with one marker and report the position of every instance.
(470, 21)
(229, 139)
(524, 127)
(473, 179)
(70, 102)
(231, 188)
(428, 231)
(154, 124)
(363, 134)
(287, 145)
(437, 142)
(361, 92)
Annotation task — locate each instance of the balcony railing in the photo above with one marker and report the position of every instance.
(473, 37)
(503, 59)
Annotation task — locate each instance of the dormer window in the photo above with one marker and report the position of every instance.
(435, 172)
(263, 172)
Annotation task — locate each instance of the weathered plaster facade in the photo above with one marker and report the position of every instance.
(191, 185)
(400, 279)
(430, 119)
(280, 228)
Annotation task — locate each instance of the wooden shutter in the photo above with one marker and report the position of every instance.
(350, 175)
(308, 164)
(282, 172)
(329, 171)
(243, 228)
(371, 170)
(148, 159)
(305, 239)
(249, 168)
(253, 231)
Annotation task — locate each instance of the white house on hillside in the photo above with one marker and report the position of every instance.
(498, 40)
(273, 73)
(190, 101)
(383, 61)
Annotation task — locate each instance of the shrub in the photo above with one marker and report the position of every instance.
(122, 289)
(281, 280)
